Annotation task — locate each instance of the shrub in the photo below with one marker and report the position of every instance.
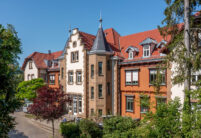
(70, 130)
(119, 127)
(89, 129)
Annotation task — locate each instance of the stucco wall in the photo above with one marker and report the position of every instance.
(28, 71)
(75, 88)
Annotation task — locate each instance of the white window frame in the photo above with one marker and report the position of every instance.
(70, 75)
(146, 48)
(132, 77)
(79, 77)
(130, 54)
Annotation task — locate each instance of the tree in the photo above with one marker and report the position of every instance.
(49, 104)
(10, 48)
(183, 50)
(27, 89)
(164, 123)
(89, 129)
(118, 126)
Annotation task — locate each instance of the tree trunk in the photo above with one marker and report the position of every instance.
(53, 128)
(187, 45)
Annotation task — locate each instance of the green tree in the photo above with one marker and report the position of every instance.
(183, 50)
(117, 127)
(89, 129)
(27, 89)
(164, 123)
(10, 48)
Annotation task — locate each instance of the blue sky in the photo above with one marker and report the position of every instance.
(43, 25)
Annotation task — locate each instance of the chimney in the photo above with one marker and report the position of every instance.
(49, 51)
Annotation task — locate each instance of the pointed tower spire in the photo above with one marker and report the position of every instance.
(100, 20)
(100, 45)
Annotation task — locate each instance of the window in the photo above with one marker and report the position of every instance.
(146, 51)
(130, 55)
(129, 103)
(74, 44)
(131, 77)
(62, 73)
(92, 92)
(75, 56)
(108, 88)
(78, 77)
(160, 101)
(30, 65)
(92, 71)
(59, 78)
(100, 94)
(153, 76)
(195, 78)
(28, 77)
(92, 112)
(70, 77)
(108, 65)
(144, 104)
(100, 68)
(80, 104)
(32, 76)
(75, 104)
(100, 112)
(52, 79)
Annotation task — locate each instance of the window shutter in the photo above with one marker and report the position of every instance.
(135, 75)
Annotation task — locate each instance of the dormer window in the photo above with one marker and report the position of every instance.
(132, 52)
(146, 51)
(130, 55)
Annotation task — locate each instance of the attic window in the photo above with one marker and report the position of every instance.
(146, 51)
(130, 55)
(74, 44)
(30, 65)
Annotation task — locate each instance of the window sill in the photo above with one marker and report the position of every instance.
(100, 98)
(153, 84)
(130, 111)
(78, 83)
(143, 112)
(100, 75)
(132, 84)
(70, 83)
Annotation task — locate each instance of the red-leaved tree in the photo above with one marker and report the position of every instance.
(49, 104)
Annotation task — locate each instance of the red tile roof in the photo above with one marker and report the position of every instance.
(112, 38)
(39, 58)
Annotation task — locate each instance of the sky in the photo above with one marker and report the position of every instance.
(43, 25)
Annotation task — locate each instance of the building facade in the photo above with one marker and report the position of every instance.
(43, 65)
(109, 74)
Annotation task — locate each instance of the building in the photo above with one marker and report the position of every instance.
(109, 74)
(138, 70)
(42, 65)
(90, 63)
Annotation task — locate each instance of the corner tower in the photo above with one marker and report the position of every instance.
(100, 76)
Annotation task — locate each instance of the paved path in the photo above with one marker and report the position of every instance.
(25, 129)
